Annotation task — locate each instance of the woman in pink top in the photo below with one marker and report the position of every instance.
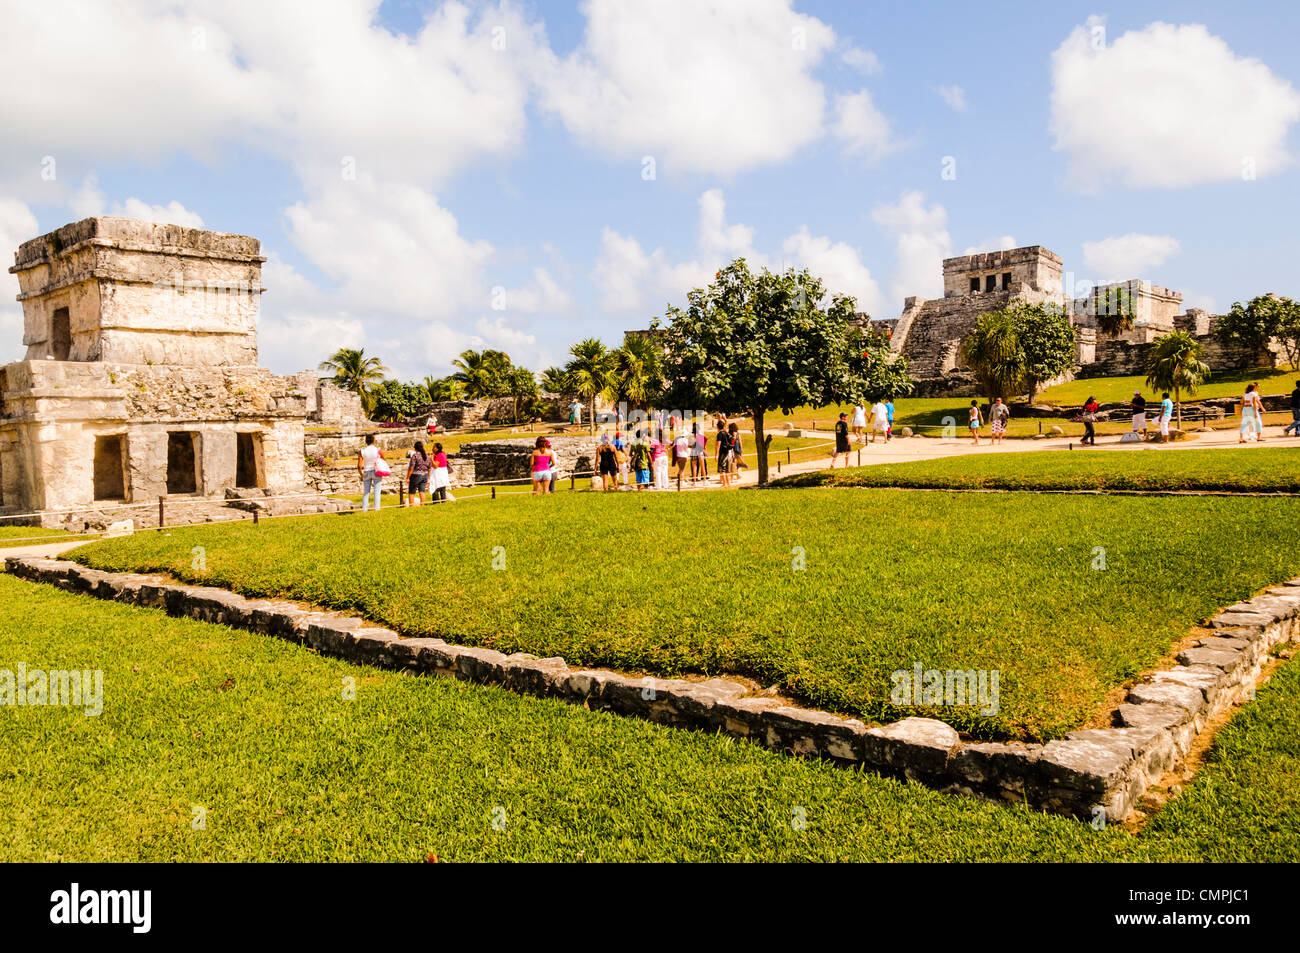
(541, 463)
(441, 475)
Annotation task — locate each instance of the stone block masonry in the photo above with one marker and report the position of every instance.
(1090, 774)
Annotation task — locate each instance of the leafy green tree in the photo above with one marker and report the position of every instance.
(1017, 348)
(1048, 341)
(521, 387)
(393, 400)
(351, 370)
(639, 368)
(1175, 363)
(756, 343)
(442, 389)
(482, 373)
(592, 372)
(1254, 324)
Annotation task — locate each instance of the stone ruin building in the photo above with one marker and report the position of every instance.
(140, 379)
(929, 332)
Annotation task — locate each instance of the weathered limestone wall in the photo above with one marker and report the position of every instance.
(139, 292)
(334, 405)
(55, 411)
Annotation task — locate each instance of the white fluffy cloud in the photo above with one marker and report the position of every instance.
(1122, 257)
(636, 85)
(17, 224)
(864, 61)
(1166, 107)
(633, 281)
(90, 200)
(923, 242)
(991, 243)
(863, 128)
(953, 95)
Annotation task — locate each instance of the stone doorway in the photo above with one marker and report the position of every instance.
(183, 462)
(110, 467)
(61, 335)
(248, 461)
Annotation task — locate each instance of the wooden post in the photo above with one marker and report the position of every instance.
(573, 481)
(401, 493)
(160, 512)
(679, 481)
(778, 468)
(494, 492)
(787, 454)
(256, 510)
(859, 456)
(1040, 426)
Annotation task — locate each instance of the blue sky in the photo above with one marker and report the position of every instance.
(500, 195)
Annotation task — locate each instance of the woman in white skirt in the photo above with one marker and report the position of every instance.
(440, 477)
(1252, 414)
(859, 422)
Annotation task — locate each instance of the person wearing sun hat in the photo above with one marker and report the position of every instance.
(1139, 405)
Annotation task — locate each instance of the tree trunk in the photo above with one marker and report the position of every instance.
(591, 419)
(760, 447)
(1178, 404)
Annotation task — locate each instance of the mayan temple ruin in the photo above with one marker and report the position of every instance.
(929, 332)
(140, 380)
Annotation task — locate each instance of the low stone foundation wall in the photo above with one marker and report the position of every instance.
(1093, 772)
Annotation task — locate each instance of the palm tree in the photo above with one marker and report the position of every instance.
(483, 373)
(638, 366)
(353, 371)
(1114, 307)
(593, 372)
(555, 380)
(1174, 362)
(992, 352)
(442, 388)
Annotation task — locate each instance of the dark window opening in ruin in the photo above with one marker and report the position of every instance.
(1006, 281)
(182, 462)
(110, 468)
(61, 334)
(248, 460)
(991, 283)
(974, 284)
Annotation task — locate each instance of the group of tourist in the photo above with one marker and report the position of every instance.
(646, 463)
(846, 433)
(422, 471)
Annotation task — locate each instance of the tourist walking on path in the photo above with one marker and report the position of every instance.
(724, 456)
(607, 462)
(639, 458)
(681, 453)
(418, 466)
(1295, 412)
(555, 466)
(879, 421)
(1166, 413)
(659, 462)
(976, 421)
(1090, 408)
(620, 455)
(737, 451)
(859, 422)
(889, 414)
(441, 475)
(999, 414)
(373, 468)
(1252, 415)
(540, 464)
(698, 451)
(841, 440)
(1139, 405)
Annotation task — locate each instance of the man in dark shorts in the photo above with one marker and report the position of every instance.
(841, 440)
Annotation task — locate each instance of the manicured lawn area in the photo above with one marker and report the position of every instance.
(21, 535)
(1119, 389)
(257, 733)
(1250, 469)
(706, 582)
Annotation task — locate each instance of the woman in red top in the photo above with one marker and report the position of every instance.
(441, 476)
(1089, 423)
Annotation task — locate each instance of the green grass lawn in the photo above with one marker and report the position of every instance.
(22, 535)
(1271, 380)
(1253, 469)
(673, 583)
(257, 733)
